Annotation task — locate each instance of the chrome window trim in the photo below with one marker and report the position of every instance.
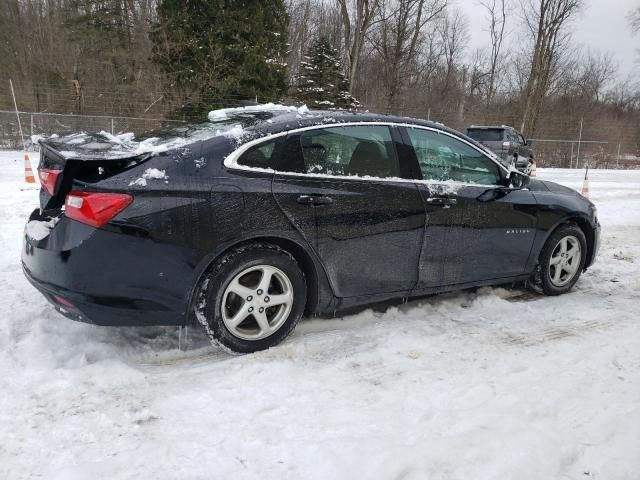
(231, 160)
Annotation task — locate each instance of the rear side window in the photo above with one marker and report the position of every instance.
(486, 134)
(444, 158)
(259, 156)
(353, 150)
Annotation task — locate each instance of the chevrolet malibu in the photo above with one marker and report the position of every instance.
(263, 214)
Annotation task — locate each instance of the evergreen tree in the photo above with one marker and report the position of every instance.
(223, 50)
(321, 82)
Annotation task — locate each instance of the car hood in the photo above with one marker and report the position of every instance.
(555, 187)
(546, 185)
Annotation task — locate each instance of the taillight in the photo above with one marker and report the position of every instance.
(95, 209)
(48, 179)
(63, 301)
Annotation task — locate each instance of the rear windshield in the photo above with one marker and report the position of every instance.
(169, 136)
(486, 134)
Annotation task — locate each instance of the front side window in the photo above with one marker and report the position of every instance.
(442, 158)
(351, 150)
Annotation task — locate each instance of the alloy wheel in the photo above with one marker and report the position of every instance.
(257, 302)
(565, 261)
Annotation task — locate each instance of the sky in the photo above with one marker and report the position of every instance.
(602, 25)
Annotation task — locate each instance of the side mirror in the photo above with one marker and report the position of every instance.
(518, 180)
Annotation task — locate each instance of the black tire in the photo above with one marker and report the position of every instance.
(541, 280)
(209, 302)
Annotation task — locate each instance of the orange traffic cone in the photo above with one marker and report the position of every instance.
(534, 170)
(28, 173)
(585, 184)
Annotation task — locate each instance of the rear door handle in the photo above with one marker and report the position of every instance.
(314, 200)
(441, 201)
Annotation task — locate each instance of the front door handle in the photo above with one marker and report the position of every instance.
(314, 200)
(441, 201)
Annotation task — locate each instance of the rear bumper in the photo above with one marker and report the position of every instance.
(108, 278)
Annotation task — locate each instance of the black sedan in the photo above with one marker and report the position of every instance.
(262, 215)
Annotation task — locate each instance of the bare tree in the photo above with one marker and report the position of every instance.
(454, 33)
(478, 76)
(546, 22)
(497, 12)
(598, 69)
(397, 41)
(357, 17)
(634, 19)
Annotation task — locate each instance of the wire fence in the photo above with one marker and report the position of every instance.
(570, 137)
(46, 124)
(581, 153)
(565, 153)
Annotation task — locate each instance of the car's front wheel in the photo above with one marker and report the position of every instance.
(561, 261)
(252, 298)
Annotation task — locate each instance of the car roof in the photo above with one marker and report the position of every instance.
(490, 127)
(267, 119)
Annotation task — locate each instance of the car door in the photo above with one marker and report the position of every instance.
(342, 189)
(477, 229)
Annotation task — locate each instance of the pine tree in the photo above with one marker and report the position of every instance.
(321, 82)
(224, 50)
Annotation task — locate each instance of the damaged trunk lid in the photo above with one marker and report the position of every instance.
(86, 158)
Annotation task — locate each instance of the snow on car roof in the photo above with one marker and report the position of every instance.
(491, 126)
(226, 113)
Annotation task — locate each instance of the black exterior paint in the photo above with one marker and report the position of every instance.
(372, 240)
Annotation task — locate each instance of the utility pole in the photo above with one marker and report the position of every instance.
(15, 104)
(579, 140)
(571, 159)
(618, 157)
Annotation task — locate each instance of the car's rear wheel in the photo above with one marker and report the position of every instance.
(561, 261)
(252, 298)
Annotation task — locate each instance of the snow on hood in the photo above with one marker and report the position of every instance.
(227, 113)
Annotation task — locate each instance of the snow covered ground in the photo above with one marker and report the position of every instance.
(485, 384)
